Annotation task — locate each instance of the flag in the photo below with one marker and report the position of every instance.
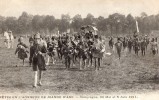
(137, 27)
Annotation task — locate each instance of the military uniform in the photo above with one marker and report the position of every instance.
(130, 45)
(50, 48)
(68, 55)
(143, 47)
(136, 47)
(118, 48)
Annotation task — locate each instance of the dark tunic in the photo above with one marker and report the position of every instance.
(118, 48)
(21, 50)
(90, 49)
(81, 50)
(137, 46)
(130, 44)
(38, 60)
(31, 39)
(143, 45)
(125, 43)
(50, 48)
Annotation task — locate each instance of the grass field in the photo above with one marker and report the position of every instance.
(132, 74)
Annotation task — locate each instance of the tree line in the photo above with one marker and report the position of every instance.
(114, 24)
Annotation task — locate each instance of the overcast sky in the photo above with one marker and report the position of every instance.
(73, 7)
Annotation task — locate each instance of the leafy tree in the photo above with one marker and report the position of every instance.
(64, 23)
(48, 23)
(11, 24)
(2, 25)
(130, 23)
(37, 23)
(24, 22)
(89, 20)
(77, 22)
(102, 23)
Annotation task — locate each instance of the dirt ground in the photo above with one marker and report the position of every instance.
(132, 74)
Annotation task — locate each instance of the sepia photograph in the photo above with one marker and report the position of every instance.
(79, 50)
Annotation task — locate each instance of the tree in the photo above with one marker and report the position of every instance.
(130, 23)
(24, 22)
(64, 23)
(11, 24)
(117, 22)
(2, 24)
(157, 21)
(101, 23)
(77, 22)
(37, 23)
(89, 20)
(49, 23)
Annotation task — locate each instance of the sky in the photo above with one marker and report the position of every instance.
(82, 7)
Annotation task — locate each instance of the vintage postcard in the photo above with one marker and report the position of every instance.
(79, 50)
